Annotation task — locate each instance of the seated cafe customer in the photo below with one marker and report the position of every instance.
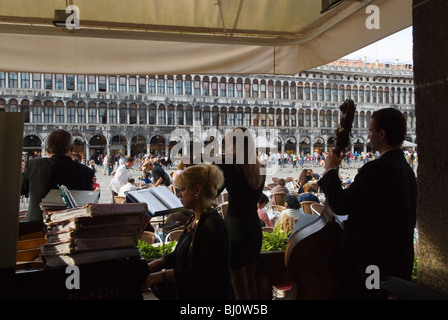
(199, 267)
(43, 174)
(279, 188)
(308, 194)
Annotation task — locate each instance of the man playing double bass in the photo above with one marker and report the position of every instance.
(381, 209)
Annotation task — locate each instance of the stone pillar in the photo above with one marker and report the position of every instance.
(430, 73)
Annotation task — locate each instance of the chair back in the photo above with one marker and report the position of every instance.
(278, 207)
(267, 229)
(306, 206)
(150, 237)
(223, 209)
(279, 198)
(317, 208)
(118, 199)
(174, 235)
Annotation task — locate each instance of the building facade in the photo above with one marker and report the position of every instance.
(131, 115)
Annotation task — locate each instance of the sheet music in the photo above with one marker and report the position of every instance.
(144, 195)
(160, 200)
(166, 196)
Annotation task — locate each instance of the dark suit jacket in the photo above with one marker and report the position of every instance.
(43, 174)
(381, 207)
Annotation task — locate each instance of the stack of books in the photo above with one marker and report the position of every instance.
(92, 233)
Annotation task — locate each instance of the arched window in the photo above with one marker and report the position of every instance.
(80, 111)
(334, 93)
(142, 114)
(270, 89)
(255, 89)
(133, 113)
(170, 115)
(25, 108)
(102, 112)
(222, 87)
(188, 86)
(314, 92)
(293, 90)
(255, 117)
(300, 91)
(123, 113)
(179, 86)
(308, 118)
(278, 118)
(37, 111)
(247, 117)
(285, 90)
(247, 88)
(322, 118)
(263, 89)
(161, 115)
(180, 115)
(112, 113)
(328, 119)
(91, 113)
(294, 118)
(214, 87)
(206, 86)
(271, 117)
(70, 112)
(315, 121)
(239, 88)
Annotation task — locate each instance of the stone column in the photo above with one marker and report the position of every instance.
(430, 73)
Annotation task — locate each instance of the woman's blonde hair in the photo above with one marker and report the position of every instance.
(208, 176)
(285, 223)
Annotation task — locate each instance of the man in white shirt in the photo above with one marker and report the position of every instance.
(129, 186)
(121, 176)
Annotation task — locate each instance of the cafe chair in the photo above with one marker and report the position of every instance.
(277, 207)
(223, 209)
(267, 229)
(174, 235)
(306, 206)
(317, 208)
(118, 199)
(279, 198)
(150, 237)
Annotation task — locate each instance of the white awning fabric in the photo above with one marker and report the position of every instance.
(191, 36)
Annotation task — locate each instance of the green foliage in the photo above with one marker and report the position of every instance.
(414, 271)
(150, 251)
(275, 241)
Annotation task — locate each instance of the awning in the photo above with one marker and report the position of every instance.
(191, 36)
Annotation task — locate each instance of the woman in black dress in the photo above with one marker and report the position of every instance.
(244, 180)
(199, 267)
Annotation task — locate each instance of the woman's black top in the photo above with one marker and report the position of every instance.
(201, 261)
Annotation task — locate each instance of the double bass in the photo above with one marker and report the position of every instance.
(311, 250)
